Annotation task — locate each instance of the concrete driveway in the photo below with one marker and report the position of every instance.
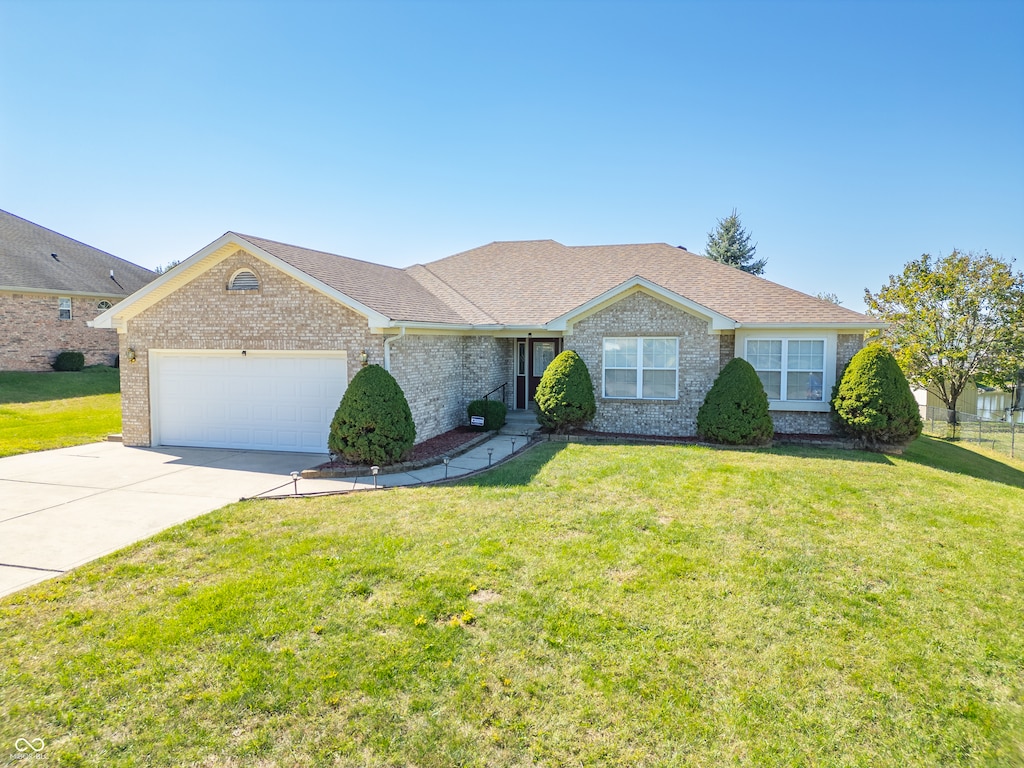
(62, 508)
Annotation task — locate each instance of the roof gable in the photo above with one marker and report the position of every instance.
(27, 263)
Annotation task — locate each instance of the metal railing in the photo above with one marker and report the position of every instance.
(502, 388)
(1000, 435)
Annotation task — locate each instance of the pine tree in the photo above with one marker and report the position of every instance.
(730, 244)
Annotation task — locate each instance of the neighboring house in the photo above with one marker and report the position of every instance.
(50, 288)
(930, 403)
(250, 343)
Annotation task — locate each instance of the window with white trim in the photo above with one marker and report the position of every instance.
(104, 305)
(63, 309)
(641, 368)
(789, 369)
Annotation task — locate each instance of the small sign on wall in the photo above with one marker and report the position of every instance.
(476, 421)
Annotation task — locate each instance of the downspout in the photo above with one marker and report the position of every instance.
(387, 347)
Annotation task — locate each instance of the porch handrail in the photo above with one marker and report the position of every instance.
(501, 387)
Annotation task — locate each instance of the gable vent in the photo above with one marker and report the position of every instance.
(244, 281)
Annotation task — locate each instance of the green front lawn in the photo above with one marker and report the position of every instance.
(581, 605)
(39, 411)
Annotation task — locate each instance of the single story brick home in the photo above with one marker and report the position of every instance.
(250, 343)
(50, 288)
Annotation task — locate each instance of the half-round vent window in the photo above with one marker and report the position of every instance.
(104, 305)
(244, 281)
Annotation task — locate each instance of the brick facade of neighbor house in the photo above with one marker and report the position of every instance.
(32, 333)
(699, 363)
(202, 314)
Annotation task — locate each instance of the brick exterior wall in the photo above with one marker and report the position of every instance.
(441, 374)
(700, 354)
(31, 333)
(727, 348)
(847, 345)
(283, 314)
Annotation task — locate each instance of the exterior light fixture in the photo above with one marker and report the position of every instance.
(490, 451)
(446, 459)
(131, 355)
(364, 358)
(373, 471)
(295, 479)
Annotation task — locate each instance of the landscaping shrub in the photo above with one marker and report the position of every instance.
(69, 361)
(493, 412)
(373, 423)
(735, 410)
(565, 395)
(873, 401)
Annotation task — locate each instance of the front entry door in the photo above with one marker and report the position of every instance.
(540, 353)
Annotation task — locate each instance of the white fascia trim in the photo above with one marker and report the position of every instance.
(107, 319)
(851, 327)
(717, 321)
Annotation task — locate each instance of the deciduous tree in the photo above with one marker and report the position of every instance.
(953, 320)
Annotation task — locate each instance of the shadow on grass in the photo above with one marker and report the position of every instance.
(519, 470)
(949, 457)
(24, 387)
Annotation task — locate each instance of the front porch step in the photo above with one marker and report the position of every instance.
(520, 423)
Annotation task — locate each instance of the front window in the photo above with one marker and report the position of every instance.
(789, 369)
(641, 368)
(64, 309)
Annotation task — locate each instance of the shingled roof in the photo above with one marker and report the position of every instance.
(531, 283)
(33, 258)
(534, 282)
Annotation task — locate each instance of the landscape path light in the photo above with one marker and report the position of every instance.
(490, 452)
(373, 471)
(513, 444)
(295, 483)
(446, 459)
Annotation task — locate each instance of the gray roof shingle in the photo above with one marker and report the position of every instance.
(26, 262)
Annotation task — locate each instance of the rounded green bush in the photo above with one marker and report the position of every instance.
(565, 395)
(735, 410)
(69, 361)
(373, 423)
(493, 411)
(873, 401)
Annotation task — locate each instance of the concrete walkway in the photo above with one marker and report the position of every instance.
(62, 508)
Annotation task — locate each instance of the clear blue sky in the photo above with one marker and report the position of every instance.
(850, 136)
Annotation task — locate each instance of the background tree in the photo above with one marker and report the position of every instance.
(828, 296)
(730, 244)
(953, 320)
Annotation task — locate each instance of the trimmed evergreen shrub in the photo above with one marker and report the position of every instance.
(69, 361)
(565, 395)
(493, 411)
(735, 409)
(873, 401)
(373, 423)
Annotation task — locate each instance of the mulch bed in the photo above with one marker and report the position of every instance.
(434, 448)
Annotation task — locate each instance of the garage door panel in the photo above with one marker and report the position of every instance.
(262, 401)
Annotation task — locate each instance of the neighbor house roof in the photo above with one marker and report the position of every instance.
(528, 284)
(34, 258)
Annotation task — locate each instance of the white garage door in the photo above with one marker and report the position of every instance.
(267, 401)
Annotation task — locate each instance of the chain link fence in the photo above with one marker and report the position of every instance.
(1005, 435)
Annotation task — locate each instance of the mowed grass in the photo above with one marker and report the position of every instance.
(581, 605)
(39, 411)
